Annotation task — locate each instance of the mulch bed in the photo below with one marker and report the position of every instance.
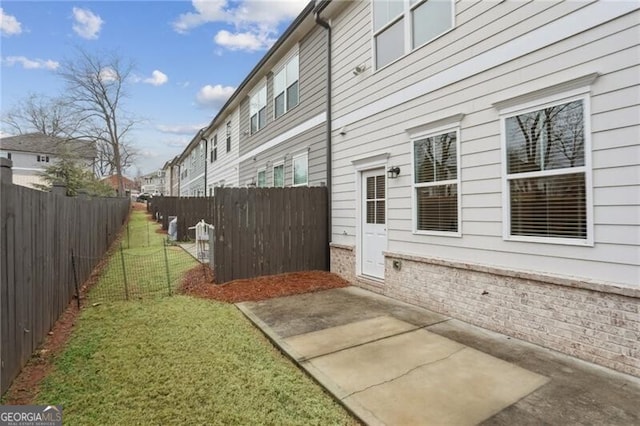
(198, 282)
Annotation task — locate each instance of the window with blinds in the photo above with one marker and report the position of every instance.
(435, 182)
(546, 173)
(376, 197)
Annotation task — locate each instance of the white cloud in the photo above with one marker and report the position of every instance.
(255, 22)
(214, 96)
(178, 143)
(180, 129)
(158, 78)
(31, 64)
(108, 74)
(9, 25)
(87, 24)
(243, 41)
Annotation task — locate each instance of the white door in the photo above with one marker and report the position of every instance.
(374, 227)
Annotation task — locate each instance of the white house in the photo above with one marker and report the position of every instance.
(32, 153)
(154, 182)
(486, 164)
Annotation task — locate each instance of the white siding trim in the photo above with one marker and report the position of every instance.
(195, 179)
(283, 137)
(588, 17)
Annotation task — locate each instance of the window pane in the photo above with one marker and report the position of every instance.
(279, 105)
(292, 70)
(431, 19)
(278, 176)
(380, 186)
(552, 206)
(254, 123)
(300, 171)
(371, 212)
(384, 11)
(292, 96)
(371, 188)
(262, 179)
(262, 118)
(279, 82)
(437, 208)
(390, 44)
(435, 158)
(546, 139)
(380, 213)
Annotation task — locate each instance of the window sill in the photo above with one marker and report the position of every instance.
(438, 233)
(550, 240)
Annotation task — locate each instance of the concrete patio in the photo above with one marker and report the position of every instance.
(396, 364)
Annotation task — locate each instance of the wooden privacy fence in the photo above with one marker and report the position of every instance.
(264, 231)
(39, 232)
(189, 210)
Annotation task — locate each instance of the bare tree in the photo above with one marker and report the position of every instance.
(37, 113)
(96, 89)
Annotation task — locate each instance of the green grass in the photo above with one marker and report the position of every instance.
(145, 265)
(179, 360)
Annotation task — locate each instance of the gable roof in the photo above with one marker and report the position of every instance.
(44, 144)
(112, 181)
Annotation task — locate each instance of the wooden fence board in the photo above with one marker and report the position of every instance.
(38, 232)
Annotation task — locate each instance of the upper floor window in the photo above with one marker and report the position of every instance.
(399, 26)
(285, 87)
(547, 180)
(258, 109)
(214, 150)
(41, 158)
(228, 136)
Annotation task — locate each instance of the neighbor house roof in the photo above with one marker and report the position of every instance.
(112, 181)
(44, 144)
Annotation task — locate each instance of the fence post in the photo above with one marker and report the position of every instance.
(148, 243)
(75, 277)
(59, 188)
(6, 174)
(128, 236)
(166, 265)
(124, 274)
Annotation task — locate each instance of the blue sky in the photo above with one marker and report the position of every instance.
(188, 55)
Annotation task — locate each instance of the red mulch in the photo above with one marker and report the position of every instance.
(198, 282)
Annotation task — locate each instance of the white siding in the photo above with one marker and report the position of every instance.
(610, 49)
(225, 169)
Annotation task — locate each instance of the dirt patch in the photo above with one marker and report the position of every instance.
(198, 282)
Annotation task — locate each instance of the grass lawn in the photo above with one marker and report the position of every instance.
(179, 360)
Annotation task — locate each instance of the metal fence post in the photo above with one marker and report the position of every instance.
(124, 274)
(166, 264)
(75, 277)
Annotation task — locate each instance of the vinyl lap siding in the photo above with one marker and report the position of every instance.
(225, 169)
(610, 49)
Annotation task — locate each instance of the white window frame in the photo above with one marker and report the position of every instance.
(256, 95)
(304, 155)
(282, 68)
(261, 170)
(581, 94)
(273, 168)
(408, 33)
(417, 136)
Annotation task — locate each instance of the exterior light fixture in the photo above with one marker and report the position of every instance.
(393, 172)
(359, 69)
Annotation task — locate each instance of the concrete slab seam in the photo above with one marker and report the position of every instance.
(355, 409)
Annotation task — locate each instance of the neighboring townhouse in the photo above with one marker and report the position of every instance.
(174, 177)
(32, 153)
(486, 162)
(193, 167)
(167, 170)
(223, 147)
(153, 183)
(273, 129)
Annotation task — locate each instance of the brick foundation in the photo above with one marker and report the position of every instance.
(595, 322)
